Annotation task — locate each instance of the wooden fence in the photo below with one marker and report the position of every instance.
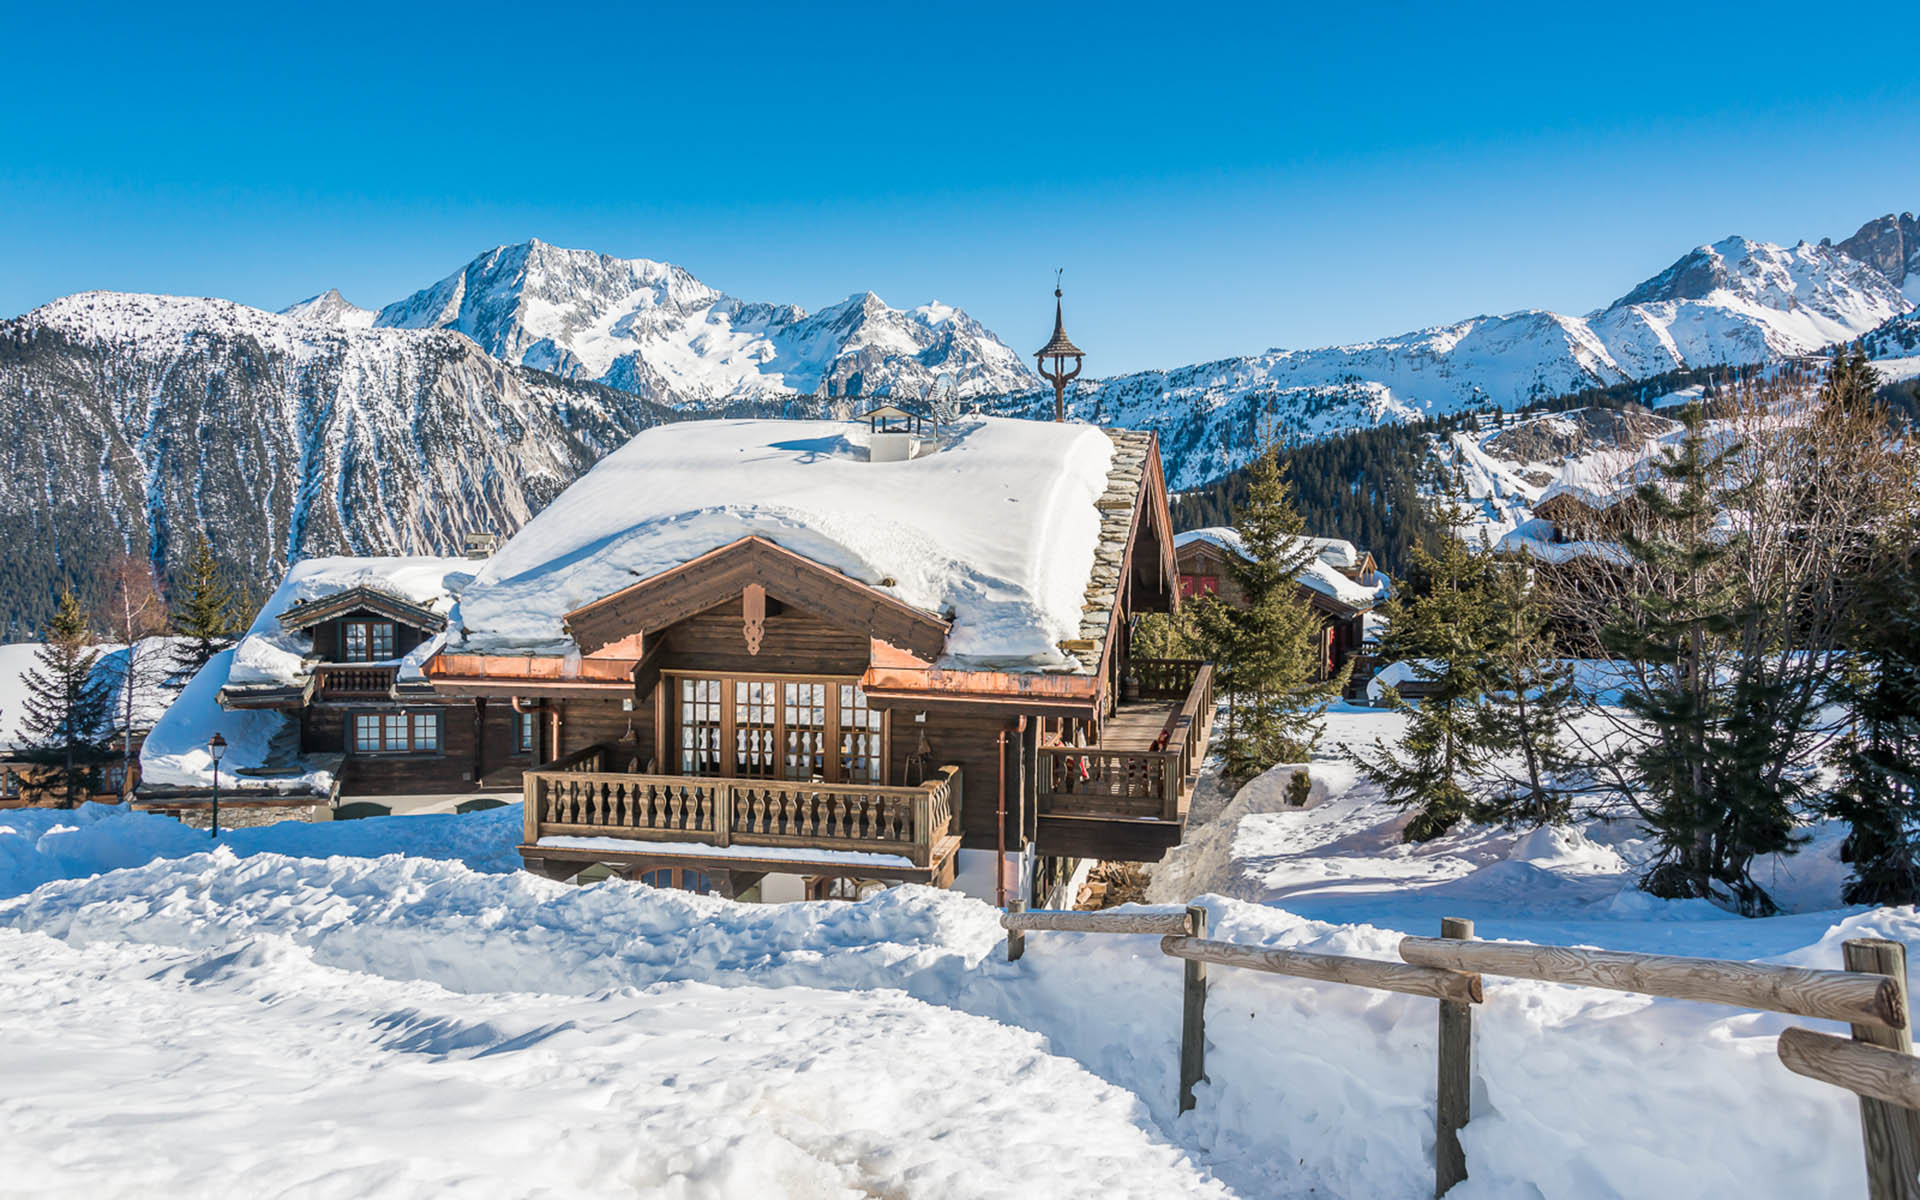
(1877, 1064)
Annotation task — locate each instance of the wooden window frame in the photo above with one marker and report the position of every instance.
(526, 734)
(369, 624)
(667, 720)
(677, 879)
(384, 719)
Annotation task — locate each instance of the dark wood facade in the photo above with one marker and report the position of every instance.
(1206, 570)
(752, 697)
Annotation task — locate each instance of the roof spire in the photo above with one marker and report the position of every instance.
(1060, 348)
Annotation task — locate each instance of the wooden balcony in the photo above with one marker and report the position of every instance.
(575, 796)
(1148, 756)
(336, 682)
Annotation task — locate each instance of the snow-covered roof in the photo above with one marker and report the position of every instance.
(1535, 539)
(270, 655)
(1323, 575)
(996, 528)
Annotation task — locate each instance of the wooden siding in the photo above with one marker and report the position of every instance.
(796, 643)
(324, 730)
(327, 638)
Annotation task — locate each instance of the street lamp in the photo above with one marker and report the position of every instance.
(216, 746)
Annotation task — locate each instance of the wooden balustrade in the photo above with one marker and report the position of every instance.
(574, 797)
(1149, 784)
(337, 681)
(1166, 678)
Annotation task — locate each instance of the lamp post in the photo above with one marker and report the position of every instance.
(216, 746)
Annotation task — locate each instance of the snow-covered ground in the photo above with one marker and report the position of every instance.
(387, 1007)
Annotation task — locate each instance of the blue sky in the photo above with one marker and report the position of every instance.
(1214, 180)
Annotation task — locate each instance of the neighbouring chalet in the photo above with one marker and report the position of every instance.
(1342, 583)
(771, 659)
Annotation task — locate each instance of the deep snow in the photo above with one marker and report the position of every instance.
(389, 1023)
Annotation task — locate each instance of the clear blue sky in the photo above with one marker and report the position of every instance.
(1214, 181)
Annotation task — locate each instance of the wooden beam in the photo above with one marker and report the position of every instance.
(1860, 1067)
(1332, 968)
(1095, 922)
(1889, 1132)
(1826, 995)
(1193, 1013)
(1453, 1103)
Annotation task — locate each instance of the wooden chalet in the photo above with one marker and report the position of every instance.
(1343, 585)
(358, 708)
(768, 659)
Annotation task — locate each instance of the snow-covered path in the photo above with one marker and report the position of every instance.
(130, 1070)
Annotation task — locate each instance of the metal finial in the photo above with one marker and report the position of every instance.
(1057, 273)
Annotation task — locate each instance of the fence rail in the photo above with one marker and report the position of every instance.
(1877, 1064)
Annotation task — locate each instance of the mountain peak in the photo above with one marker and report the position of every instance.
(330, 308)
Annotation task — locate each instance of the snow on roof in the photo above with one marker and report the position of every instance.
(1535, 538)
(997, 526)
(271, 655)
(156, 690)
(175, 752)
(1322, 575)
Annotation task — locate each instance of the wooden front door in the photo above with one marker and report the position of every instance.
(786, 727)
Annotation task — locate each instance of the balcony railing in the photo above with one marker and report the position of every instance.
(1138, 783)
(574, 796)
(353, 683)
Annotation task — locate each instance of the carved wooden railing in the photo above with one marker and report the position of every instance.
(1166, 678)
(1134, 784)
(336, 682)
(573, 797)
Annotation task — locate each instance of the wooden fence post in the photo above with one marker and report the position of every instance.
(1193, 1015)
(1454, 1100)
(1016, 938)
(1891, 1133)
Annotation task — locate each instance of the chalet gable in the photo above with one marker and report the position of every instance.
(754, 569)
(361, 598)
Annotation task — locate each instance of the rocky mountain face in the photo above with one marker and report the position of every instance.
(330, 308)
(138, 422)
(651, 328)
(1734, 302)
(1890, 245)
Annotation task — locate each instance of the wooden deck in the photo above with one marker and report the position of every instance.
(1142, 772)
(915, 828)
(1135, 726)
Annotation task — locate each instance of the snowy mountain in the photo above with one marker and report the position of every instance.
(330, 308)
(1734, 302)
(653, 329)
(138, 422)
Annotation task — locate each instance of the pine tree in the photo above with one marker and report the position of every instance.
(1267, 650)
(205, 610)
(65, 719)
(1710, 792)
(1879, 759)
(1530, 690)
(1445, 633)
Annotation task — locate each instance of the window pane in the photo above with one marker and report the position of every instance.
(426, 731)
(356, 648)
(366, 732)
(382, 635)
(396, 734)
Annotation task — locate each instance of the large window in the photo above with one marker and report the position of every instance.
(790, 728)
(396, 733)
(366, 641)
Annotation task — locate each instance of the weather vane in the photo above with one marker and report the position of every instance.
(1060, 348)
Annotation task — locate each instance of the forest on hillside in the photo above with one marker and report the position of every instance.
(1365, 485)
